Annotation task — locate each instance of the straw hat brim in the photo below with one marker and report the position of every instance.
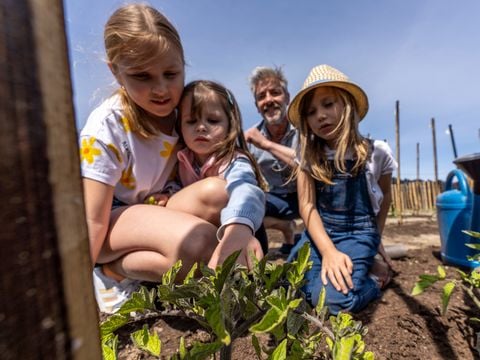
(358, 94)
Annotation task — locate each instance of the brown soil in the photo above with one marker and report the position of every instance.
(399, 326)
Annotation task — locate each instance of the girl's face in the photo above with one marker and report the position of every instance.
(324, 113)
(156, 86)
(201, 134)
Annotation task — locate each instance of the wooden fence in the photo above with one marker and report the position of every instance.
(415, 196)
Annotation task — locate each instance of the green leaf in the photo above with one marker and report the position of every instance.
(447, 293)
(113, 323)
(224, 270)
(294, 303)
(139, 301)
(441, 272)
(429, 278)
(424, 282)
(191, 273)
(214, 316)
(296, 321)
(109, 347)
(343, 349)
(280, 353)
(273, 317)
(256, 346)
(182, 350)
(169, 277)
(201, 351)
(321, 300)
(475, 257)
(473, 246)
(108, 353)
(474, 234)
(330, 343)
(146, 341)
(303, 259)
(272, 280)
(278, 299)
(299, 351)
(368, 356)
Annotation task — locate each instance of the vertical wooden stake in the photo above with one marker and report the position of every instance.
(47, 307)
(418, 161)
(397, 140)
(434, 140)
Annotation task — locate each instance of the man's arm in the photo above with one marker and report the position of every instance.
(281, 152)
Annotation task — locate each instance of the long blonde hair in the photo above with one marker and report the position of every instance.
(312, 148)
(201, 92)
(134, 34)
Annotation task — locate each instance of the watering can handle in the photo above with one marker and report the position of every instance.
(462, 181)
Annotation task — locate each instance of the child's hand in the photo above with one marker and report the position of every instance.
(337, 267)
(236, 237)
(159, 199)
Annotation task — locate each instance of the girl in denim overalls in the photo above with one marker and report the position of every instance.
(344, 194)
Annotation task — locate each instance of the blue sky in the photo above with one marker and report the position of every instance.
(424, 53)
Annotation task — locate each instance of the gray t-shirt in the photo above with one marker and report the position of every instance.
(275, 171)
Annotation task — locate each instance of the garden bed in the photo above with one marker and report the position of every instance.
(399, 326)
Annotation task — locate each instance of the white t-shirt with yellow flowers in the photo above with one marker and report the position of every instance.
(112, 154)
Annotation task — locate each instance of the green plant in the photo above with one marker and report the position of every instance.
(470, 282)
(231, 301)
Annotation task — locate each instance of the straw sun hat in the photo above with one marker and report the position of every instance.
(325, 75)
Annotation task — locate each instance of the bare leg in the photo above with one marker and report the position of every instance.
(144, 241)
(382, 271)
(287, 227)
(204, 199)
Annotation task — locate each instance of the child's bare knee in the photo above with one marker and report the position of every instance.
(213, 192)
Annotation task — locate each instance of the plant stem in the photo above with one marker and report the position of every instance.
(317, 322)
(226, 352)
(469, 290)
(246, 324)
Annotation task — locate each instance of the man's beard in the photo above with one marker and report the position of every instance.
(276, 118)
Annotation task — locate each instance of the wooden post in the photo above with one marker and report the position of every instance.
(397, 140)
(434, 140)
(418, 161)
(452, 138)
(47, 308)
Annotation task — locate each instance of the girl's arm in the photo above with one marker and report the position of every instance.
(242, 215)
(336, 266)
(236, 236)
(98, 203)
(385, 183)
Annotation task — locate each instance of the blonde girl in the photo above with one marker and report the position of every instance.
(211, 128)
(128, 152)
(343, 184)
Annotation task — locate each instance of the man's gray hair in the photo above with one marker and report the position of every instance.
(263, 72)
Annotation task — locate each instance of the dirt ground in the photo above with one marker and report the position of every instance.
(399, 326)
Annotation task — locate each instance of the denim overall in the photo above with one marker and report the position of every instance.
(349, 220)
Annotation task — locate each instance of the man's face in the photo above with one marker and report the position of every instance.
(271, 101)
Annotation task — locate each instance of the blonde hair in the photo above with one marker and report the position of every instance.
(134, 34)
(312, 148)
(201, 92)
